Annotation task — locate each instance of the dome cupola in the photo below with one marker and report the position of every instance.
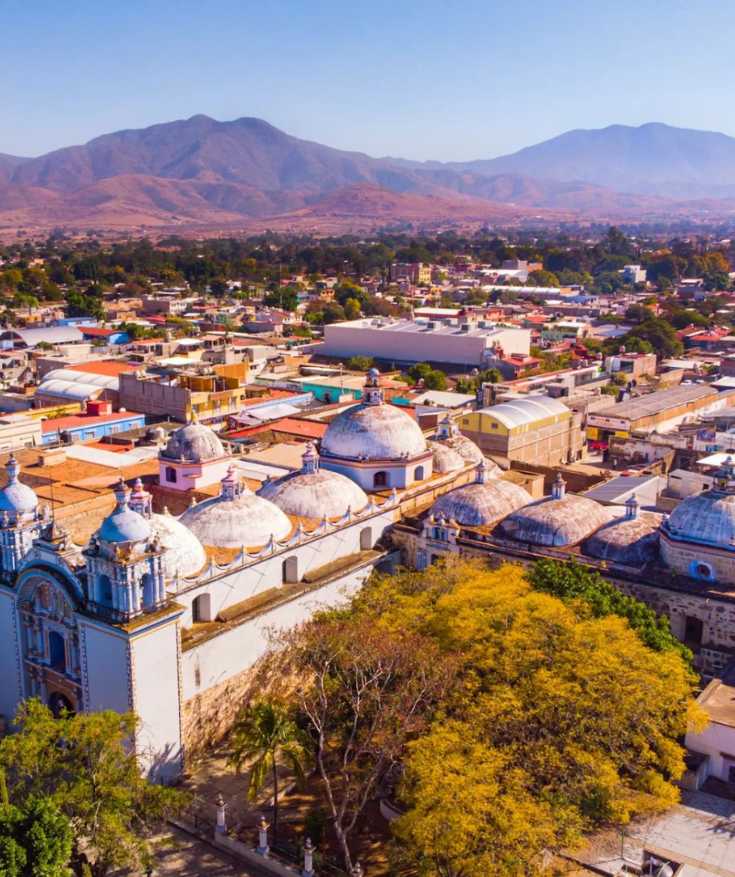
(123, 525)
(193, 443)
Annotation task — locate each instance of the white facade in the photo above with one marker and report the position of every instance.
(423, 341)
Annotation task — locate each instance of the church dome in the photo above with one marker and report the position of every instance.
(448, 435)
(183, 553)
(373, 432)
(446, 459)
(236, 518)
(123, 524)
(631, 540)
(16, 498)
(314, 492)
(193, 443)
(705, 519)
(560, 520)
(481, 504)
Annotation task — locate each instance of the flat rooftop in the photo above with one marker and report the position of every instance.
(655, 403)
(421, 327)
(718, 699)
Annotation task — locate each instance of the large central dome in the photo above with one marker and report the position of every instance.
(373, 432)
(193, 443)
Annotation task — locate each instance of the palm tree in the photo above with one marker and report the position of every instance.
(263, 735)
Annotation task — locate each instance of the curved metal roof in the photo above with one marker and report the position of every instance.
(525, 411)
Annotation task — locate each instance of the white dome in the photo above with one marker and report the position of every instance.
(315, 494)
(193, 443)
(123, 524)
(481, 504)
(373, 432)
(705, 519)
(16, 498)
(246, 521)
(561, 521)
(445, 459)
(183, 553)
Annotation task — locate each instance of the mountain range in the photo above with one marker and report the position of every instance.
(202, 173)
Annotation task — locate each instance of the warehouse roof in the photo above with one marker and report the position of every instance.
(654, 403)
(524, 411)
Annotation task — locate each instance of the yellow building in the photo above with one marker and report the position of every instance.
(535, 429)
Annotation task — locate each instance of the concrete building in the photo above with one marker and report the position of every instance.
(412, 272)
(659, 411)
(210, 393)
(634, 274)
(410, 341)
(632, 365)
(19, 431)
(534, 429)
(95, 423)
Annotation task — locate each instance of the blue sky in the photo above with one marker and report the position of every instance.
(420, 80)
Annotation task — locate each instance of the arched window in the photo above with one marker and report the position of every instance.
(290, 570)
(104, 590)
(59, 704)
(201, 608)
(366, 539)
(149, 591)
(380, 479)
(418, 473)
(170, 474)
(56, 651)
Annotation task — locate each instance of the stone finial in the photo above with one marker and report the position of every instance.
(12, 467)
(482, 473)
(140, 500)
(559, 488)
(631, 507)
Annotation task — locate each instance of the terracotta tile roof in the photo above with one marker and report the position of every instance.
(96, 331)
(111, 367)
(291, 425)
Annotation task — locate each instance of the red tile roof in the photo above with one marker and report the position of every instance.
(76, 420)
(96, 331)
(292, 425)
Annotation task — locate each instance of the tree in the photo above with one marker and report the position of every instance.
(265, 734)
(360, 363)
(352, 309)
(659, 333)
(84, 766)
(562, 720)
(542, 278)
(368, 691)
(433, 378)
(35, 841)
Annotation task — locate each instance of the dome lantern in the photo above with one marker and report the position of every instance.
(230, 487)
(373, 392)
(559, 488)
(631, 507)
(310, 460)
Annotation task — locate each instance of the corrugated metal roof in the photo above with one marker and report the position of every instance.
(525, 411)
(655, 403)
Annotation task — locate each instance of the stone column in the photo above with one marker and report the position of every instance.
(263, 849)
(221, 826)
(308, 859)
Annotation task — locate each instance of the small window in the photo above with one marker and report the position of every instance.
(380, 479)
(693, 631)
(171, 474)
(418, 473)
(57, 652)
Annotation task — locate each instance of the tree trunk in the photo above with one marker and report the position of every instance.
(275, 799)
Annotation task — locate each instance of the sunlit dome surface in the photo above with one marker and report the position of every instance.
(193, 443)
(183, 554)
(315, 494)
(373, 432)
(246, 521)
(481, 504)
(557, 522)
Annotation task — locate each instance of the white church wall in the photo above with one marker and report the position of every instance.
(106, 680)
(11, 688)
(155, 684)
(236, 650)
(268, 572)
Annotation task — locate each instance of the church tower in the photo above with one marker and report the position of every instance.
(20, 521)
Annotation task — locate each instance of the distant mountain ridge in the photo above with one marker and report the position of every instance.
(202, 171)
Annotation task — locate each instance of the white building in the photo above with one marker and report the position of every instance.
(167, 617)
(634, 274)
(459, 342)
